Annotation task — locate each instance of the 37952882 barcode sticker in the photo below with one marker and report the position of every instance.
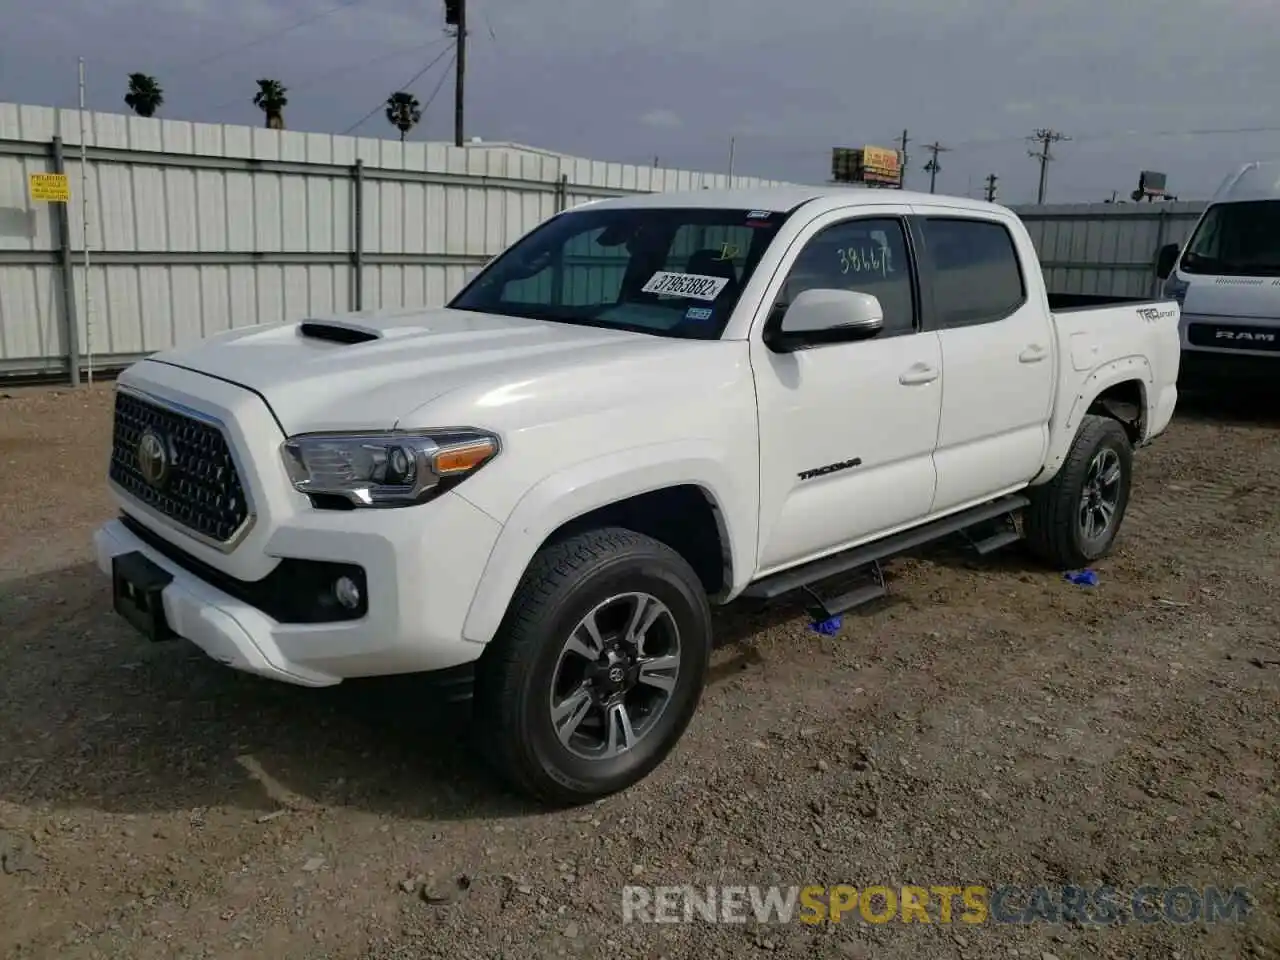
(692, 285)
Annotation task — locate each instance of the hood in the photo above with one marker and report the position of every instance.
(366, 371)
(1252, 297)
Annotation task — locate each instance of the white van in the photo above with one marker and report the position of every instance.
(1227, 278)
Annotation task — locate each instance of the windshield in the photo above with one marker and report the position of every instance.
(1237, 239)
(674, 272)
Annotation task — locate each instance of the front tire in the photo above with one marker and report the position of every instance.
(597, 667)
(1073, 519)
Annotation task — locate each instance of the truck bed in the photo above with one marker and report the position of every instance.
(1064, 302)
(1139, 337)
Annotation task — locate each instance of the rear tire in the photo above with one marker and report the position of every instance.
(567, 707)
(1073, 519)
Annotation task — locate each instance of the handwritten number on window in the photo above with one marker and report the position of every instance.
(866, 260)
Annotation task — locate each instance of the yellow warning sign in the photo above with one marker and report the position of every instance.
(50, 187)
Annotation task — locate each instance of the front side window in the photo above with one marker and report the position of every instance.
(675, 272)
(976, 275)
(867, 256)
(1236, 239)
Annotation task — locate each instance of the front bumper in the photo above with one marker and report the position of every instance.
(1217, 367)
(1213, 350)
(421, 574)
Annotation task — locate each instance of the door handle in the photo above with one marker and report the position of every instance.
(1033, 354)
(918, 373)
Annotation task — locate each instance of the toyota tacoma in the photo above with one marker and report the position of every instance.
(643, 408)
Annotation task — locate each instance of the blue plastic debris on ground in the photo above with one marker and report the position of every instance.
(1082, 578)
(827, 627)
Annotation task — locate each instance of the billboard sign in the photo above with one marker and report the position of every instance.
(1151, 183)
(874, 166)
(881, 164)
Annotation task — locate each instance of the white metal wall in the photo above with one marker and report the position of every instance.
(197, 228)
(1104, 248)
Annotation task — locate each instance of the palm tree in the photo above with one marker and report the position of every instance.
(404, 112)
(271, 100)
(145, 96)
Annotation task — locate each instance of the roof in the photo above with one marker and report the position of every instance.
(1259, 180)
(512, 145)
(789, 197)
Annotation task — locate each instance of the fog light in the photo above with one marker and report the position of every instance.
(346, 592)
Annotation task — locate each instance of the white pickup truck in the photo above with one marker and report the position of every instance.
(643, 407)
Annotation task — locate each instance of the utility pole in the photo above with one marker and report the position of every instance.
(1044, 137)
(733, 142)
(932, 167)
(902, 149)
(84, 229)
(991, 187)
(455, 15)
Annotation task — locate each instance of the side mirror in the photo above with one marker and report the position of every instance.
(827, 316)
(1165, 260)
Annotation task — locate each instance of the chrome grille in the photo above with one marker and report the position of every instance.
(201, 489)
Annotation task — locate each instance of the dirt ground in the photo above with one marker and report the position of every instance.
(994, 724)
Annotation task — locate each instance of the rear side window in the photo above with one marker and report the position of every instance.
(976, 274)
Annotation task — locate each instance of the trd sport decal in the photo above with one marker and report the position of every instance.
(830, 468)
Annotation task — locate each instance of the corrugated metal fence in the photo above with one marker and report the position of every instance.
(1106, 249)
(196, 228)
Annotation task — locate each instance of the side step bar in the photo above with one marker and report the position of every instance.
(824, 607)
(870, 555)
(997, 540)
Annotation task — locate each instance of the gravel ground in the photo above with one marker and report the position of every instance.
(994, 724)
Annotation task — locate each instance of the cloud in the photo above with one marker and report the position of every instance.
(661, 118)
(788, 80)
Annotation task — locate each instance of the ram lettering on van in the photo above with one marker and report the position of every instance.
(1257, 337)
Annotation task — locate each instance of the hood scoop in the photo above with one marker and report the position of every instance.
(336, 332)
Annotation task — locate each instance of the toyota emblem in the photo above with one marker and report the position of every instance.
(153, 458)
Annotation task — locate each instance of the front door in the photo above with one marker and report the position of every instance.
(847, 430)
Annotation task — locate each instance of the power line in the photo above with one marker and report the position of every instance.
(272, 35)
(1125, 134)
(404, 86)
(488, 25)
(439, 83)
(347, 68)
(1078, 138)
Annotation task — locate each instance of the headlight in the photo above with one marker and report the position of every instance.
(385, 469)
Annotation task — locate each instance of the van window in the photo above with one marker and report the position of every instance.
(1236, 240)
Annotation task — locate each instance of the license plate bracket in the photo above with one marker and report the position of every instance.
(137, 594)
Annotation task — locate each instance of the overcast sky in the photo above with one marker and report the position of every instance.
(677, 79)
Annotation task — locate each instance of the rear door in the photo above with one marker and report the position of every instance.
(998, 358)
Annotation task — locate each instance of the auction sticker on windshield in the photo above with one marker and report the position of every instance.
(693, 285)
